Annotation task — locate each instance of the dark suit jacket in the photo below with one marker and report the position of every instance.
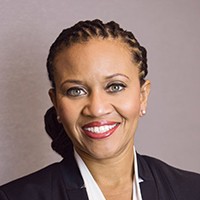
(63, 181)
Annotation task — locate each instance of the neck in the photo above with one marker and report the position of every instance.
(112, 172)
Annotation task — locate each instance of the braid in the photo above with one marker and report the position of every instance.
(83, 31)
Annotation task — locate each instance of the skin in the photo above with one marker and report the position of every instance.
(97, 81)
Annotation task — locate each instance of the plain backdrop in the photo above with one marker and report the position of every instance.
(170, 30)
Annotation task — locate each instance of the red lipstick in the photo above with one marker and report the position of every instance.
(100, 129)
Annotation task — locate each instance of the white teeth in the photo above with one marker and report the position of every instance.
(100, 129)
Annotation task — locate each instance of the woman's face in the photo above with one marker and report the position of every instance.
(98, 97)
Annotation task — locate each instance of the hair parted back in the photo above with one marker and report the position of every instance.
(83, 31)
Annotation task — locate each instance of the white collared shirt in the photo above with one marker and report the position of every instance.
(93, 189)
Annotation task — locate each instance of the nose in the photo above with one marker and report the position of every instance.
(97, 105)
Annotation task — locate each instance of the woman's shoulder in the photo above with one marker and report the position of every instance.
(183, 183)
(43, 174)
(40, 180)
(157, 164)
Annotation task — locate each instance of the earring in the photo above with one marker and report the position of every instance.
(143, 112)
(58, 118)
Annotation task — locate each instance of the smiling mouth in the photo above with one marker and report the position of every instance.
(99, 131)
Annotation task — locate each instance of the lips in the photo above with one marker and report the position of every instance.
(100, 130)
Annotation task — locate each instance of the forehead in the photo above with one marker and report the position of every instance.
(96, 54)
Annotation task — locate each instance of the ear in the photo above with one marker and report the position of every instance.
(144, 94)
(52, 95)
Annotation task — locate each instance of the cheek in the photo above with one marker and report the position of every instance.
(68, 113)
(69, 117)
(130, 108)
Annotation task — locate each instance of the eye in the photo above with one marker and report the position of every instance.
(76, 92)
(115, 87)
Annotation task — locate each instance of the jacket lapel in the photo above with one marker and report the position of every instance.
(148, 186)
(73, 180)
(156, 185)
(148, 190)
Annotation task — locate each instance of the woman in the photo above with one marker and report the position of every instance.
(99, 92)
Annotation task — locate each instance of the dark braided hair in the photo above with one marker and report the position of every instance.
(83, 31)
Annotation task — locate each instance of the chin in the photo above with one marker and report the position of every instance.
(103, 153)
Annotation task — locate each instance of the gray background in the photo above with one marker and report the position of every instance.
(170, 30)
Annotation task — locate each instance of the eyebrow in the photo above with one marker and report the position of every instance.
(117, 74)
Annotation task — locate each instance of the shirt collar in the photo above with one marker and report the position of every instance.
(93, 189)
